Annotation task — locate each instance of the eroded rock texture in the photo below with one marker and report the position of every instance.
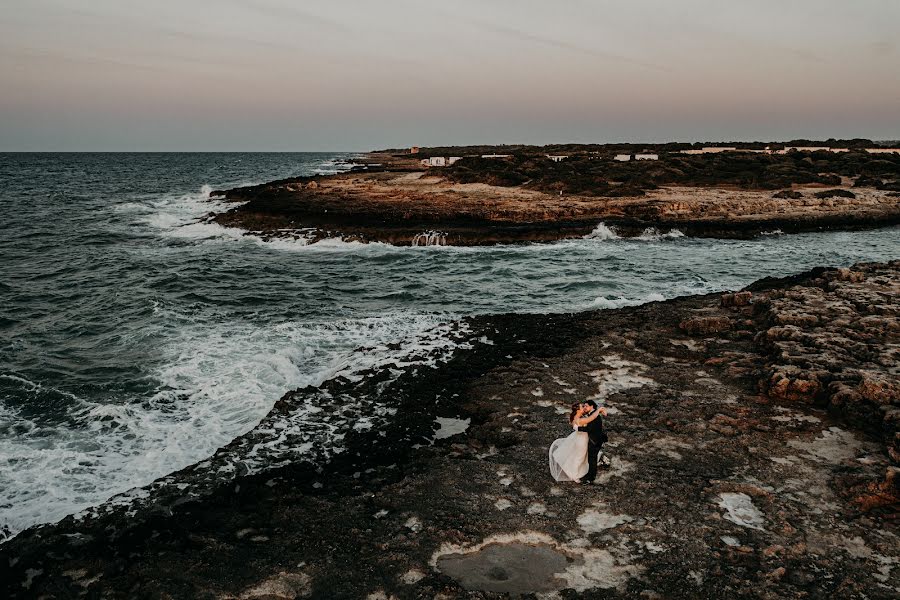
(414, 208)
(835, 341)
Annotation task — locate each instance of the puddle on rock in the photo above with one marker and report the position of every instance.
(739, 509)
(833, 446)
(530, 562)
(513, 569)
(450, 427)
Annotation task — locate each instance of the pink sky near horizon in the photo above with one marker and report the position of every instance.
(355, 75)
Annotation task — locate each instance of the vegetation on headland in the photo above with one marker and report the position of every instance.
(629, 147)
(591, 171)
(595, 175)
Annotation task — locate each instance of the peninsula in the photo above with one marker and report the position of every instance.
(508, 194)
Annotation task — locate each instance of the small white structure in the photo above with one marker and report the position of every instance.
(557, 157)
(495, 155)
(622, 157)
(646, 157)
(883, 150)
(434, 161)
(453, 159)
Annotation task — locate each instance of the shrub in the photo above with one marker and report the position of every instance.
(835, 193)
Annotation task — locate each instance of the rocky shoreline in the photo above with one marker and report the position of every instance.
(754, 444)
(404, 207)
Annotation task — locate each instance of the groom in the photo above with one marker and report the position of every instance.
(596, 438)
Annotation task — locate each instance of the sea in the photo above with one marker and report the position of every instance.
(136, 339)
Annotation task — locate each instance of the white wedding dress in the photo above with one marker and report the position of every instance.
(569, 457)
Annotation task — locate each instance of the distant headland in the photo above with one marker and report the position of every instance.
(477, 195)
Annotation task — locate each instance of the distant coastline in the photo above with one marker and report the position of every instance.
(497, 194)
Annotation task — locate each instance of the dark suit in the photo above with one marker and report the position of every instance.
(596, 438)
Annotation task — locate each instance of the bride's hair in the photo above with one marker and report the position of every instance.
(575, 407)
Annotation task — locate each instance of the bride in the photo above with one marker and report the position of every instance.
(569, 455)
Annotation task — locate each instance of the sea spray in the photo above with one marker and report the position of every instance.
(603, 232)
(653, 234)
(215, 384)
(430, 238)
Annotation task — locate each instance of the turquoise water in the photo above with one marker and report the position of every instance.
(137, 340)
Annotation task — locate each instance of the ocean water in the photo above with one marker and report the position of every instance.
(136, 340)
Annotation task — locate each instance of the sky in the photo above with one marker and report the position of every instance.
(353, 75)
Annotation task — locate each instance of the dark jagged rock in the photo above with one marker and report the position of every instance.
(787, 195)
(867, 181)
(836, 193)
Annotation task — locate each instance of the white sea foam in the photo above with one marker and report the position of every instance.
(602, 232)
(204, 231)
(184, 216)
(653, 234)
(430, 238)
(620, 301)
(650, 234)
(181, 216)
(217, 381)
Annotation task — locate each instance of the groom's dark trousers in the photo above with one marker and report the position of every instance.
(596, 437)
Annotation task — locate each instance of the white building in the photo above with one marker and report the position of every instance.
(622, 157)
(453, 159)
(434, 161)
(557, 157)
(646, 157)
(495, 155)
(883, 150)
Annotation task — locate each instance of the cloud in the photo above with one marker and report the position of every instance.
(525, 36)
(289, 11)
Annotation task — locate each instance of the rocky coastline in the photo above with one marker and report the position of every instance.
(754, 445)
(418, 208)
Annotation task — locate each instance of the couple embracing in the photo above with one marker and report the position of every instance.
(574, 458)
